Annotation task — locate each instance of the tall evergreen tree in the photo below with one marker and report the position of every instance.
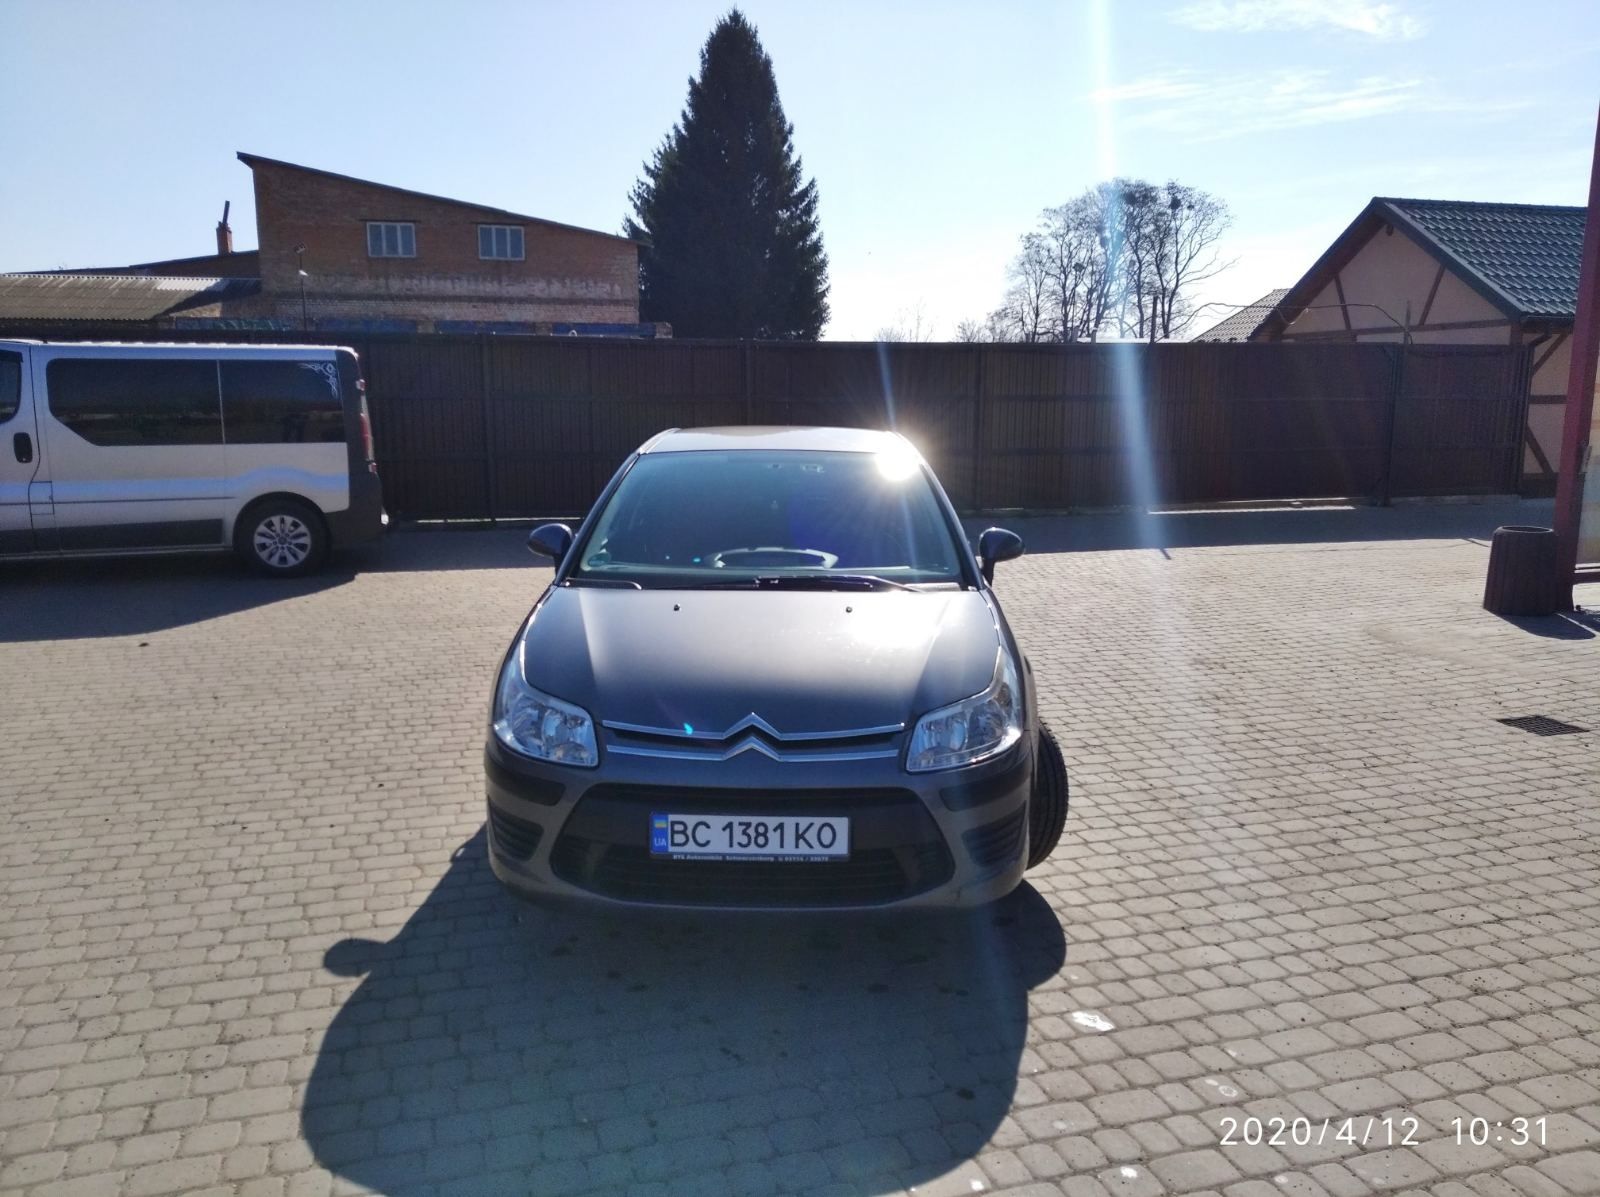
(734, 249)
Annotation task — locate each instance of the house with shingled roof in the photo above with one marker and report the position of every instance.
(1453, 272)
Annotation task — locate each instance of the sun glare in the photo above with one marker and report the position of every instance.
(897, 465)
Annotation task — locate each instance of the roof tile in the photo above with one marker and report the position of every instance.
(1527, 252)
(1246, 320)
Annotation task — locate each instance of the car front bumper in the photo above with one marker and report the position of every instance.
(957, 838)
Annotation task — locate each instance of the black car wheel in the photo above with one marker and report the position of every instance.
(282, 537)
(1047, 810)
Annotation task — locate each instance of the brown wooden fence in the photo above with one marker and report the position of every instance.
(475, 427)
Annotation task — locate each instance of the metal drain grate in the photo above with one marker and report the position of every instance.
(1542, 725)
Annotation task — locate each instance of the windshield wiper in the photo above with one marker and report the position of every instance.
(612, 583)
(806, 582)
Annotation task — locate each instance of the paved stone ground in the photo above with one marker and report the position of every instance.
(250, 944)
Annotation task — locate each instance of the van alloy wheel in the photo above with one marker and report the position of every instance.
(282, 541)
(283, 538)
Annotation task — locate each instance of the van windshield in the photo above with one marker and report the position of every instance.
(772, 519)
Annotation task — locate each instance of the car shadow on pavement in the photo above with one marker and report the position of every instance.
(79, 598)
(494, 1047)
(411, 547)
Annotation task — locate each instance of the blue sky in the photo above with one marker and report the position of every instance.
(936, 131)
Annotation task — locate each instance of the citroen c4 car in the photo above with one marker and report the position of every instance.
(769, 673)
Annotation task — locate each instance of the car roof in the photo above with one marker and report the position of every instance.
(735, 438)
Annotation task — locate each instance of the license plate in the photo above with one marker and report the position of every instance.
(749, 837)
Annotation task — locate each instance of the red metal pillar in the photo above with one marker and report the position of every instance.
(1580, 389)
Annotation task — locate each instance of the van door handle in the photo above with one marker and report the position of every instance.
(22, 444)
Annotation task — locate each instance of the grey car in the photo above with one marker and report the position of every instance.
(769, 673)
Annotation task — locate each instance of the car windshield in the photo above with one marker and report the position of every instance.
(780, 519)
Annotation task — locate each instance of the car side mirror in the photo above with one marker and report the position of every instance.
(550, 540)
(994, 546)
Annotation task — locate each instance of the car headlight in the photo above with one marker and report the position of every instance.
(533, 723)
(973, 729)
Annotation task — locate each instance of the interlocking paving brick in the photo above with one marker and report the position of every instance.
(1195, 1169)
(1576, 1171)
(250, 943)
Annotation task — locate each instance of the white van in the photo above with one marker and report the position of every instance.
(108, 448)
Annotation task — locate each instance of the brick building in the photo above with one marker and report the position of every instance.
(344, 254)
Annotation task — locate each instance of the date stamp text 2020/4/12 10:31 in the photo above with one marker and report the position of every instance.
(1372, 1131)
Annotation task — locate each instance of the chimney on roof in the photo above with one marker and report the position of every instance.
(224, 233)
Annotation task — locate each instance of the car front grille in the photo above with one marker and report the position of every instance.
(998, 843)
(514, 839)
(896, 850)
(750, 735)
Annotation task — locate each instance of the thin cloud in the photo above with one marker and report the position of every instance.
(1385, 22)
(1150, 87)
(1213, 107)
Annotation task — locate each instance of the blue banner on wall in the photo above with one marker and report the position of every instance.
(524, 327)
(347, 325)
(646, 331)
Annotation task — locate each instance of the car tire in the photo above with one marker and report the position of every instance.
(1047, 809)
(282, 538)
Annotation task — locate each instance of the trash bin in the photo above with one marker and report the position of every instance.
(1522, 573)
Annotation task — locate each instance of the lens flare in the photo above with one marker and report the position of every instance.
(896, 465)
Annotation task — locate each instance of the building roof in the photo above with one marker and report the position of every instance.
(111, 296)
(1528, 253)
(1246, 320)
(255, 160)
(722, 440)
(1522, 258)
(242, 263)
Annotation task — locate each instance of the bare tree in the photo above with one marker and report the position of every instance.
(1027, 312)
(1124, 257)
(1082, 257)
(1136, 229)
(911, 324)
(1193, 223)
(977, 332)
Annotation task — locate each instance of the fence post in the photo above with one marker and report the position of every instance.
(596, 484)
(1523, 382)
(979, 360)
(485, 373)
(1397, 378)
(749, 390)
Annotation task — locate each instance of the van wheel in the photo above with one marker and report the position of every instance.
(282, 537)
(1047, 809)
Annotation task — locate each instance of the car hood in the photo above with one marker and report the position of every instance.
(802, 661)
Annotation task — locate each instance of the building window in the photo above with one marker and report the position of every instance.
(391, 239)
(500, 241)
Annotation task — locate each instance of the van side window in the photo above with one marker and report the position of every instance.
(281, 402)
(10, 384)
(136, 401)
